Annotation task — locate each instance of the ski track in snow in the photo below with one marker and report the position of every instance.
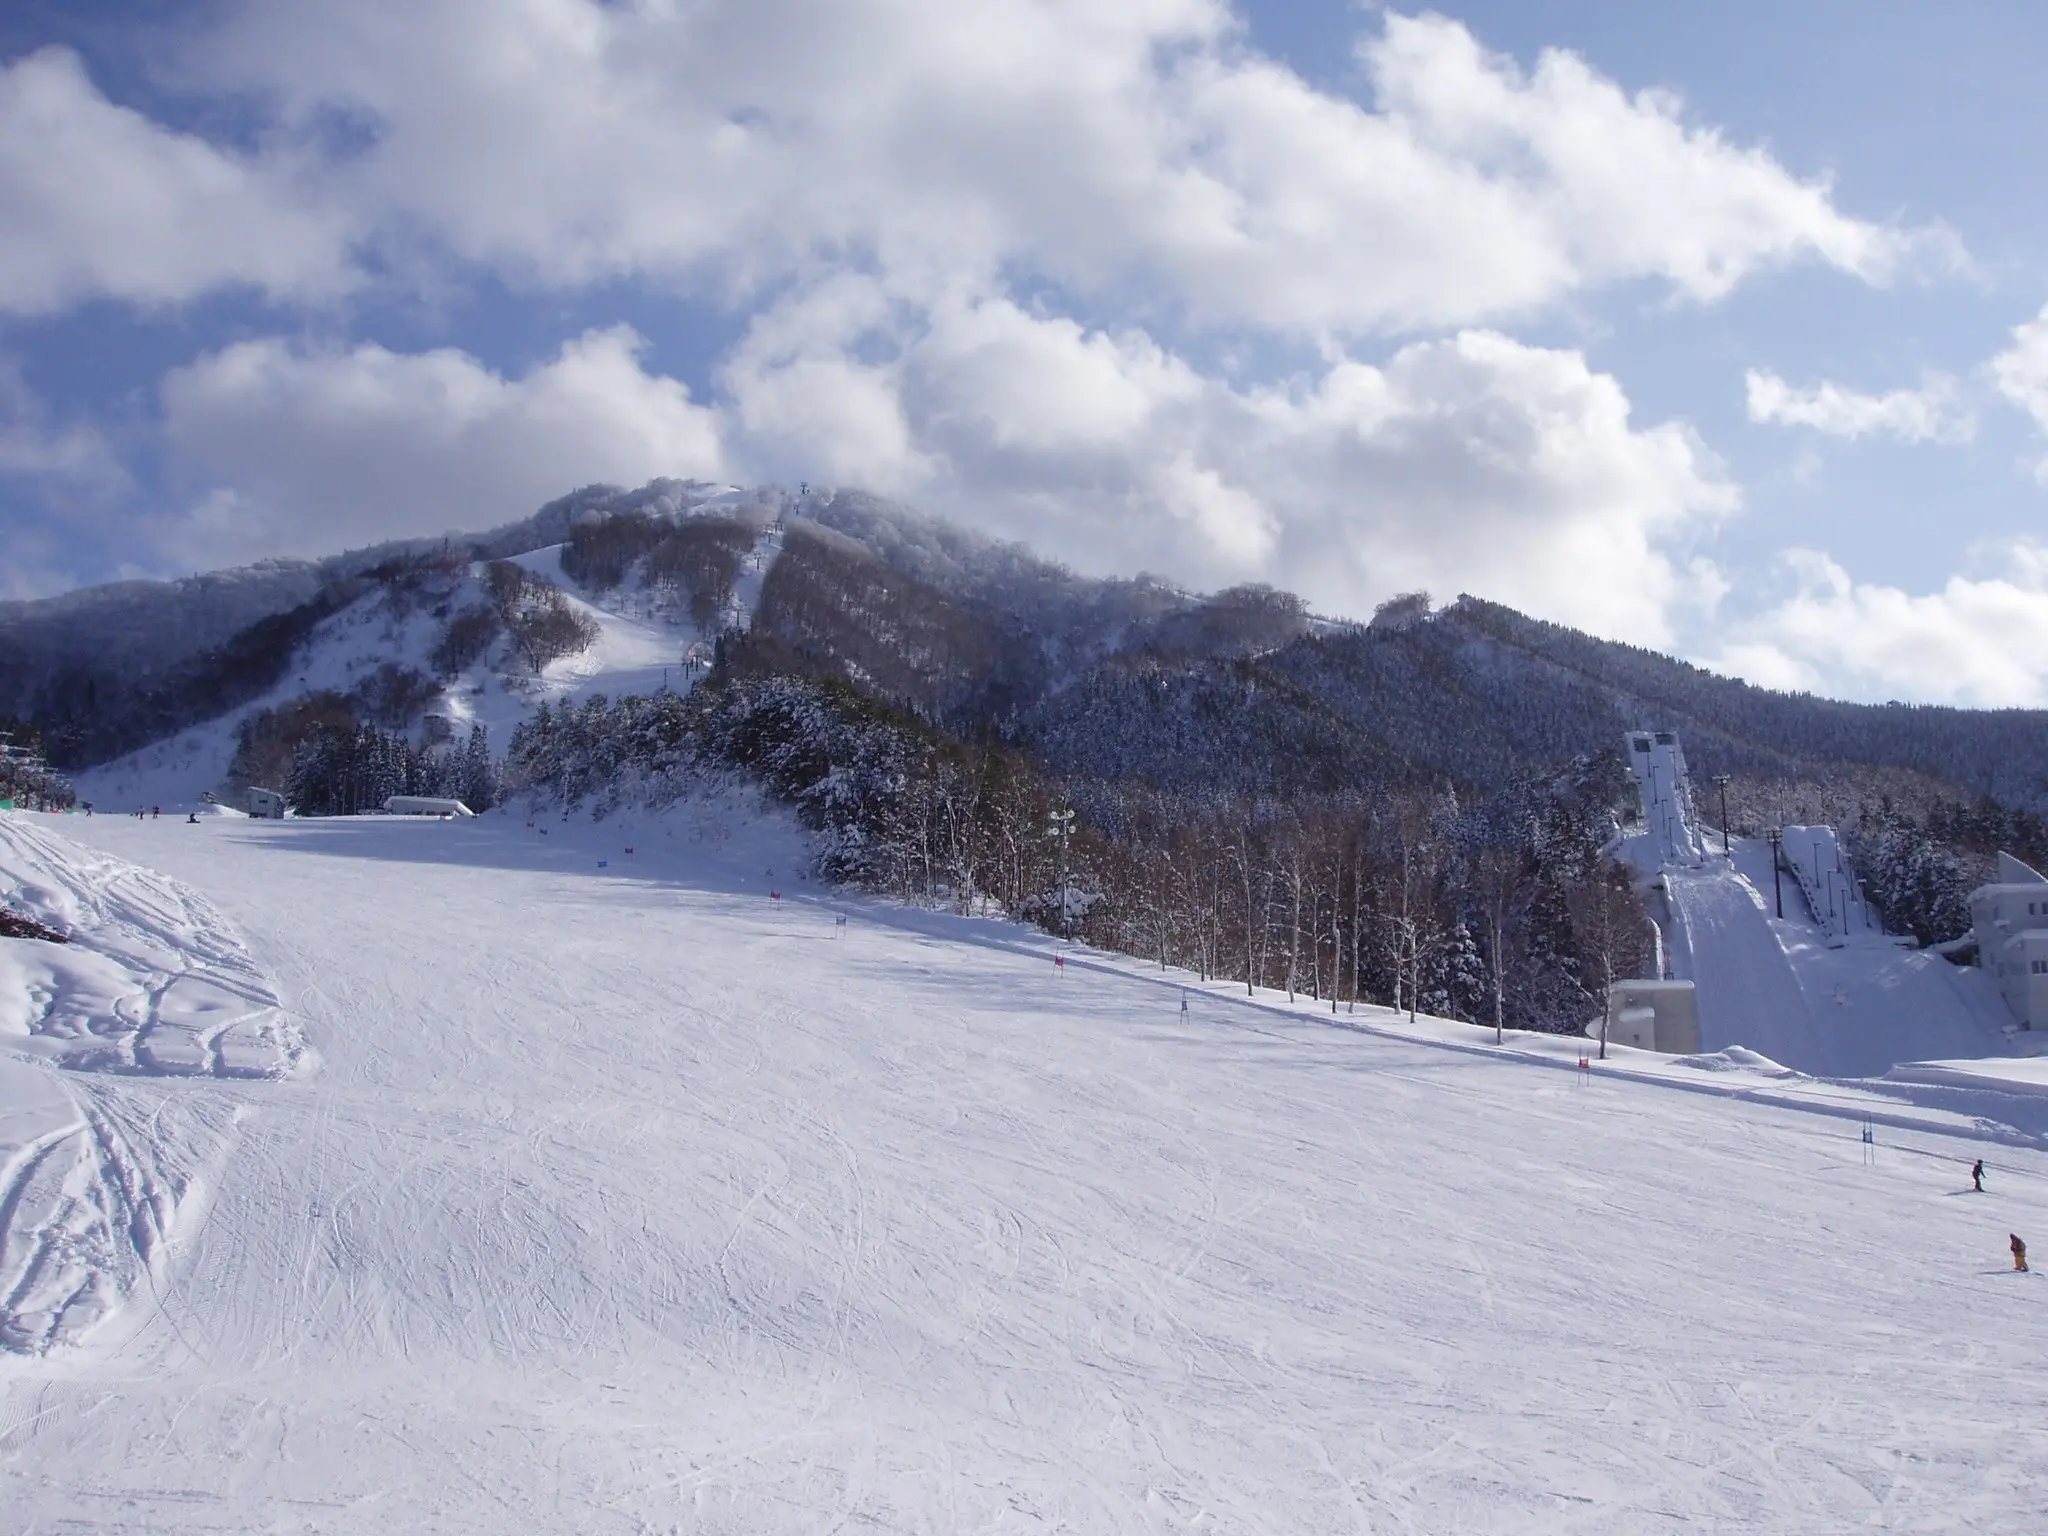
(97, 1177)
(634, 1200)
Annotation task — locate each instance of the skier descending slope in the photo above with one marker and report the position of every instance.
(2019, 1252)
(1977, 1175)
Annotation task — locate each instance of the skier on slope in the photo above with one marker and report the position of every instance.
(1977, 1175)
(2019, 1252)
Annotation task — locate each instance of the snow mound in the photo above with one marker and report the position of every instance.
(1737, 1058)
(103, 1151)
(153, 982)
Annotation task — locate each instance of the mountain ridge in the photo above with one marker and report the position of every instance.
(1098, 676)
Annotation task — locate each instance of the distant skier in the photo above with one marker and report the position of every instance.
(1977, 1175)
(2019, 1252)
(193, 819)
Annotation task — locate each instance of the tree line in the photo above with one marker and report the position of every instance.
(345, 770)
(1504, 909)
(26, 777)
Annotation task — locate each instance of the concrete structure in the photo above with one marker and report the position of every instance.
(1813, 857)
(266, 804)
(425, 805)
(1654, 1016)
(2010, 917)
(1658, 763)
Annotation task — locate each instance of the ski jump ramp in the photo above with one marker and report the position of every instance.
(1822, 989)
(1809, 998)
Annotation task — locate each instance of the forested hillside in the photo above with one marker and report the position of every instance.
(1408, 808)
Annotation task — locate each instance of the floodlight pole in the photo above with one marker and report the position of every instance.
(1777, 837)
(1060, 827)
(1721, 783)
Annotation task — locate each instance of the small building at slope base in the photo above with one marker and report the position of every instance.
(266, 804)
(2010, 920)
(1661, 1016)
(425, 805)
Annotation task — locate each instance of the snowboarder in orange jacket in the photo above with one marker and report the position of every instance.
(2019, 1252)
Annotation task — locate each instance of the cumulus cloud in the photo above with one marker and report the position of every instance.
(1109, 149)
(34, 446)
(1936, 412)
(1981, 640)
(59, 479)
(303, 450)
(1471, 463)
(923, 212)
(2020, 373)
(96, 199)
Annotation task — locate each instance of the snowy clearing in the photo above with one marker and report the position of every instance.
(640, 1198)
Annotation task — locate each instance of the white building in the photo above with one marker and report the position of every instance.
(1654, 1016)
(425, 805)
(266, 805)
(1658, 763)
(2010, 917)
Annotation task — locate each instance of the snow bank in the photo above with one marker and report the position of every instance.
(154, 980)
(2027, 1075)
(1736, 1058)
(103, 1162)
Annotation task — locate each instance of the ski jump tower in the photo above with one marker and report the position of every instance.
(1668, 816)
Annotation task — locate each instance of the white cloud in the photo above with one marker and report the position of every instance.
(306, 451)
(1474, 463)
(915, 204)
(97, 199)
(1980, 640)
(2021, 370)
(2021, 374)
(1936, 412)
(1135, 148)
(34, 447)
(1620, 184)
(59, 480)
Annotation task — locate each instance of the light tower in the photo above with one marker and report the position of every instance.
(1059, 826)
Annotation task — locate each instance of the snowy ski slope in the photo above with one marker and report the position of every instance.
(640, 648)
(638, 1199)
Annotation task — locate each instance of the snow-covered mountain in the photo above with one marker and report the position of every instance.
(926, 697)
(1096, 678)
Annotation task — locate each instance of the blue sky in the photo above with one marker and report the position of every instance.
(1712, 328)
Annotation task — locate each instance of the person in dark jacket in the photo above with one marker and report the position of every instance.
(1977, 1175)
(2019, 1252)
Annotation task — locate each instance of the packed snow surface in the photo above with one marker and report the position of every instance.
(631, 1195)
